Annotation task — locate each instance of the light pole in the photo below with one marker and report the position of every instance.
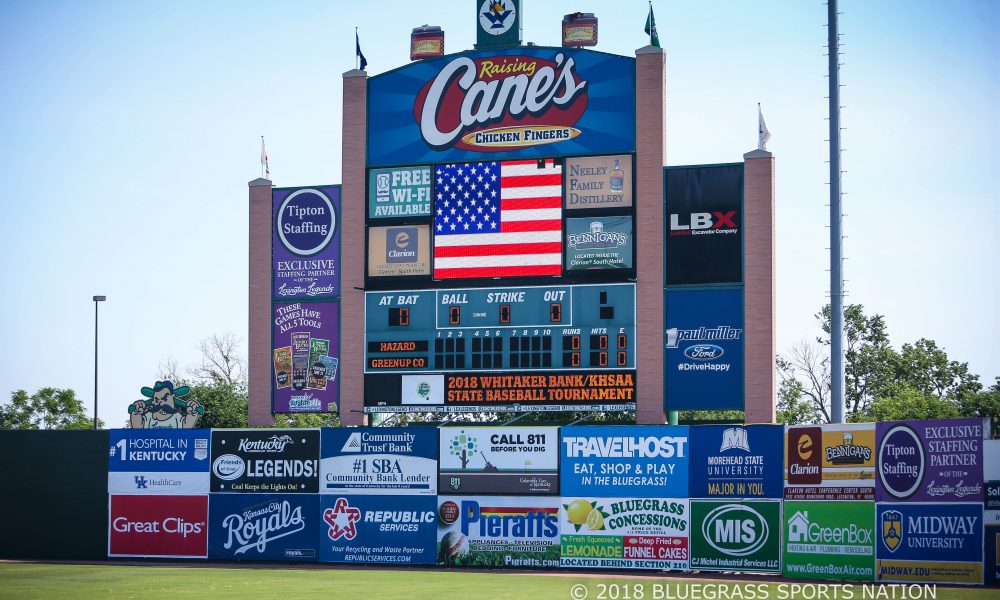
(96, 300)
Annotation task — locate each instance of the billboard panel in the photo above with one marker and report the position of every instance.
(399, 192)
(305, 344)
(277, 527)
(930, 461)
(829, 540)
(399, 251)
(265, 461)
(306, 243)
(704, 224)
(599, 243)
(630, 533)
(499, 460)
(704, 349)
(830, 462)
(598, 181)
(992, 562)
(400, 461)
(736, 535)
(730, 461)
(631, 461)
(158, 461)
(161, 526)
(498, 531)
(379, 529)
(497, 105)
(930, 543)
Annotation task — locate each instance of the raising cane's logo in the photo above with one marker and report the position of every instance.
(501, 103)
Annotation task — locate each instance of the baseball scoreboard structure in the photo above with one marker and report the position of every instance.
(482, 252)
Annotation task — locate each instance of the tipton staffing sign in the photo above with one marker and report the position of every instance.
(930, 461)
(306, 243)
(526, 102)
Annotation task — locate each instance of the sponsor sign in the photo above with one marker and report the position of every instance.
(630, 533)
(499, 460)
(158, 461)
(634, 461)
(930, 543)
(265, 461)
(992, 503)
(306, 243)
(598, 181)
(830, 462)
(264, 527)
(498, 531)
(736, 536)
(305, 338)
(930, 461)
(829, 540)
(704, 349)
(401, 461)
(599, 243)
(379, 529)
(163, 526)
(992, 563)
(704, 224)
(516, 103)
(732, 461)
(399, 251)
(399, 192)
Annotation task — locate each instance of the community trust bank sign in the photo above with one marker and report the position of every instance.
(306, 243)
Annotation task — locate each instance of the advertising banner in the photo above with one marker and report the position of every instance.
(736, 536)
(599, 243)
(598, 181)
(265, 461)
(517, 103)
(630, 461)
(397, 461)
(704, 224)
(499, 460)
(158, 461)
(736, 462)
(992, 563)
(498, 531)
(306, 243)
(399, 251)
(629, 533)
(161, 526)
(830, 462)
(277, 527)
(305, 338)
(379, 529)
(399, 192)
(930, 461)
(992, 504)
(829, 540)
(704, 349)
(930, 543)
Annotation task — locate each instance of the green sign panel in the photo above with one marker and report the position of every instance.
(399, 192)
(829, 540)
(599, 243)
(499, 23)
(735, 535)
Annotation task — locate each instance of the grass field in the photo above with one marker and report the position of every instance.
(81, 582)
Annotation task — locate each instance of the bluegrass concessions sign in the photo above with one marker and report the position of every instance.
(158, 461)
(931, 461)
(265, 460)
(499, 460)
(399, 461)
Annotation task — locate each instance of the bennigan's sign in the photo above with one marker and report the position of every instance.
(522, 102)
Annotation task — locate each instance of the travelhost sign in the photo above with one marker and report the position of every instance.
(524, 102)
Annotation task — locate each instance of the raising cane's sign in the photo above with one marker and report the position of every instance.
(524, 102)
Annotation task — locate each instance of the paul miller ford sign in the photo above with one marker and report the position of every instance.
(523, 102)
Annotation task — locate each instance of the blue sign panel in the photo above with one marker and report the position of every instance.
(379, 461)
(703, 349)
(264, 527)
(158, 461)
(516, 103)
(627, 462)
(732, 461)
(992, 555)
(928, 543)
(379, 529)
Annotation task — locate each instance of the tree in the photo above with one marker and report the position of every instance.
(48, 408)
(904, 404)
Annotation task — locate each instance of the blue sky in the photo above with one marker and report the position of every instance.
(129, 131)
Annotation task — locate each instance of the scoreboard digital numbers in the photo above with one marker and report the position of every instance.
(568, 347)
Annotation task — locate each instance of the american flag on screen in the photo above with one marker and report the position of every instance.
(498, 219)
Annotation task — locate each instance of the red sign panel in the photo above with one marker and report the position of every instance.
(167, 526)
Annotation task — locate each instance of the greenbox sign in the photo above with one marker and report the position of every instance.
(399, 192)
(736, 535)
(829, 540)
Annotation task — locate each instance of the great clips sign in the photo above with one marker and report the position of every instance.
(523, 102)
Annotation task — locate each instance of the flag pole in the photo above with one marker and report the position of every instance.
(262, 157)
